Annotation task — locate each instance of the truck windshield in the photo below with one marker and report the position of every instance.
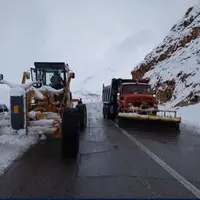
(132, 88)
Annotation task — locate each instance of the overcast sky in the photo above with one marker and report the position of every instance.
(91, 35)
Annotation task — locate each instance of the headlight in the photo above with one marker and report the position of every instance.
(154, 95)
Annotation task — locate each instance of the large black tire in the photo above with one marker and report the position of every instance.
(154, 113)
(176, 128)
(82, 115)
(70, 133)
(104, 111)
(108, 113)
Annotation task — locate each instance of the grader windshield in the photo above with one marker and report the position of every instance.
(44, 71)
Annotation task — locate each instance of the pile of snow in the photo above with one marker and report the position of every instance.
(190, 115)
(13, 145)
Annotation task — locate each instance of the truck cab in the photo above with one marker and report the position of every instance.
(136, 94)
(125, 93)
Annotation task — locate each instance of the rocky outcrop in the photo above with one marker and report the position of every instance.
(179, 48)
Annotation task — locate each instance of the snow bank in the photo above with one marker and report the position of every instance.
(12, 146)
(190, 115)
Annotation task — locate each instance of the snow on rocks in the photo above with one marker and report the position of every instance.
(173, 67)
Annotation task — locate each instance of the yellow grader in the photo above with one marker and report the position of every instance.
(40, 106)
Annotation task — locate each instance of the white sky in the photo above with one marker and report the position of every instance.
(91, 35)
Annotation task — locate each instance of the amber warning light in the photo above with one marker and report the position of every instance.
(15, 109)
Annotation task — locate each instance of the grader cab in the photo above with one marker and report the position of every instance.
(44, 73)
(48, 106)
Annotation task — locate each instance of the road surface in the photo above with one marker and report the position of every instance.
(110, 164)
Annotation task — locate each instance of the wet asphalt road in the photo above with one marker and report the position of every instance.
(109, 165)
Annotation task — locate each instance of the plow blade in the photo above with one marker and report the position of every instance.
(149, 117)
(149, 122)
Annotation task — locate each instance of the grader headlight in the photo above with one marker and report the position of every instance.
(15, 109)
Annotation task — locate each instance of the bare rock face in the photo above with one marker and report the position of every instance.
(173, 66)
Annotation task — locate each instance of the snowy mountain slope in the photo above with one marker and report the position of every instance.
(87, 96)
(173, 66)
(118, 61)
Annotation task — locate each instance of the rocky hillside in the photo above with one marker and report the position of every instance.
(174, 66)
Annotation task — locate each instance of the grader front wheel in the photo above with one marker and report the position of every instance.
(70, 133)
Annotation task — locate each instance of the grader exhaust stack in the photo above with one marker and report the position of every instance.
(133, 100)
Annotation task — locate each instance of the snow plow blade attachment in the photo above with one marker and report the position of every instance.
(167, 120)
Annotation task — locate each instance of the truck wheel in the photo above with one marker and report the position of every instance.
(177, 128)
(108, 114)
(154, 113)
(70, 133)
(104, 112)
(82, 115)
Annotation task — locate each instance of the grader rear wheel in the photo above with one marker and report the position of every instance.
(70, 133)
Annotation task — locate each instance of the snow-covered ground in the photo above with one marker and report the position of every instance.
(190, 116)
(13, 145)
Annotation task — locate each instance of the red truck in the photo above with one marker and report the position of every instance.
(128, 98)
